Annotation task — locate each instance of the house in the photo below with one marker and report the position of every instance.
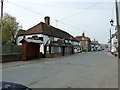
(95, 45)
(85, 42)
(114, 48)
(56, 42)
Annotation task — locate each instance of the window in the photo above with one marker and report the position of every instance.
(55, 49)
(68, 49)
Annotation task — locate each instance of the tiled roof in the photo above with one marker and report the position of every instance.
(81, 38)
(94, 43)
(37, 29)
(49, 30)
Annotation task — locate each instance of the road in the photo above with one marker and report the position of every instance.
(81, 70)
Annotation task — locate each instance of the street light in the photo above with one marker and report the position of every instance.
(111, 22)
(116, 28)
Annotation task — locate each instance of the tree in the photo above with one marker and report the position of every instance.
(10, 28)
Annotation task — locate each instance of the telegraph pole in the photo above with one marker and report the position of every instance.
(1, 31)
(118, 28)
(1, 14)
(1, 8)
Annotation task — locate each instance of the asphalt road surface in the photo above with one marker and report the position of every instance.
(81, 70)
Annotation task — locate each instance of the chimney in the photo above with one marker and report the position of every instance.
(83, 34)
(47, 20)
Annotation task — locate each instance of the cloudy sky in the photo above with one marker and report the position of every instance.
(74, 16)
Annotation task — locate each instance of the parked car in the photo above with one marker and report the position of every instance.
(12, 86)
(99, 49)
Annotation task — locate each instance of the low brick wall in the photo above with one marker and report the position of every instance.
(56, 55)
(53, 55)
(47, 55)
(15, 57)
(67, 53)
(11, 57)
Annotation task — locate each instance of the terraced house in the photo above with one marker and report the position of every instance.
(56, 42)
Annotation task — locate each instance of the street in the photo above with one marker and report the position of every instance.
(82, 70)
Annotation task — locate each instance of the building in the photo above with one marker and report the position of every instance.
(85, 42)
(56, 42)
(114, 39)
(95, 45)
(30, 48)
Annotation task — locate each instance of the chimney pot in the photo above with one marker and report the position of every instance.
(83, 34)
(47, 20)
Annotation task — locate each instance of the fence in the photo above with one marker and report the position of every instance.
(57, 51)
(10, 49)
(11, 52)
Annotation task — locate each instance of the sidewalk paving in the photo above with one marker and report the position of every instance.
(20, 63)
(45, 60)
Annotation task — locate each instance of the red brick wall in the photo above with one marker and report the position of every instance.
(53, 55)
(67, 53)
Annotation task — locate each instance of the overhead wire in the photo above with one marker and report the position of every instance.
(84, 10)
(53, 18)
(24, 8)
(37, 13)
(45, 5)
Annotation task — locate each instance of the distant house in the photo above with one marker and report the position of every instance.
(85, 42)
(94, 45)
(114, 40)
(56, 42)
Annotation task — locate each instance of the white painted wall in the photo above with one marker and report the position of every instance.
(114, 44)
(77, 49)
(39, 35)
(48, 39)
(42, 48)
(56, 39)
(27, 36)
(19, 39)
(75, 43)
(45, 39)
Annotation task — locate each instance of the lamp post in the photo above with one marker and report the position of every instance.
(118, 27)
(1, 30)
(111, 22)
(1, 15)
(110, 41)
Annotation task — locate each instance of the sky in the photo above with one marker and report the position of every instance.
(73, 16)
